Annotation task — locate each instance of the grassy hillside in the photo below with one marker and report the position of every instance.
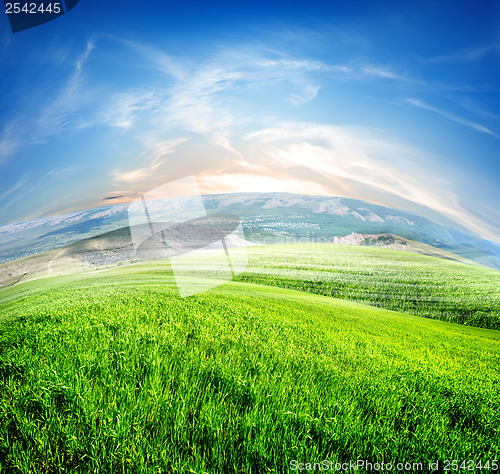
(113, 372)
(402, 281)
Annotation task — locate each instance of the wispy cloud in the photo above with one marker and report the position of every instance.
(194, 102)
(138, 174)
(455, 118)
(59, 173)
(467, 55)
(192, 97)
(14, 188)
(240, 182)
(29, 188)
(5, 41)
(161, 150)
(124, 107)
(294, 157)
(479, 110)
(162, 61)
(55, 116)
(344, 154)
(378, 71)
(8, 142)
(309, 92)
(55, 113)
(299, 65)
(21, 190)
(355, 162)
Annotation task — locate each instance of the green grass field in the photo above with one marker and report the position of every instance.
(112, 371)
(401, 281)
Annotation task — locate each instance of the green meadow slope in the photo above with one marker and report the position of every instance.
(423, 285)
(112, 371)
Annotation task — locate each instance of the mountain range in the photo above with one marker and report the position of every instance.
(265, 217)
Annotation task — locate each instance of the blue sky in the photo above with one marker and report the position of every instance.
(396, 103)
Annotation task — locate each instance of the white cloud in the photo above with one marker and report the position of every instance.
(18, 192)
(8, 142)
(455, 118)
(193, 103)
(55, 116)
(191, 98)
(246, 182)
(61, 172)
(162, 61)
(124, 107)
(378, 71)
(467, 55)
(14, 188)
(138, 174)
(367, 162)
(161, 150)
(309, 93)
(297, 65)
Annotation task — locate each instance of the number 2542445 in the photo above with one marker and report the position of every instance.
(15, 8)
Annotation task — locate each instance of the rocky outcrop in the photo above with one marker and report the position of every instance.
(375, 240)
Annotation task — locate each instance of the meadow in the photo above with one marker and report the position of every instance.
(418, 284)
(111, 371)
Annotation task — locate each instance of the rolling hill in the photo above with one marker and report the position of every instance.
(111, 371)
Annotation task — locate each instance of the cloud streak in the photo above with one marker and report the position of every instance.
(467, 55)
(354, 162)
(377, 71)
(16, 187)
(56, 116)
(455, 118)
(124, 107)
(140, 174)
